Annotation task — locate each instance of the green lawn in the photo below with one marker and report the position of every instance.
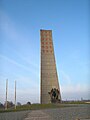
(42, 106)
(32, 107)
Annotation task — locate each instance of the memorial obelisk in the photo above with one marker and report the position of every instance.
(50, 91)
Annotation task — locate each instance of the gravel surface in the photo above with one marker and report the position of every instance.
(14, 115)
(67, 113)
(70, 113)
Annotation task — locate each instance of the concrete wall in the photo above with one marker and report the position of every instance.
(49, 78)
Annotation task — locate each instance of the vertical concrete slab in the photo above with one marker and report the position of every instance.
(49, 77)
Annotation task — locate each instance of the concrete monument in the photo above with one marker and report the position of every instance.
(50, 91)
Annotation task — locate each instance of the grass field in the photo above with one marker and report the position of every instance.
(42, 106)
(33, 107)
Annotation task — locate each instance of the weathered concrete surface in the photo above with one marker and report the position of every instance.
(81, 112)
(68, 113)
(48, 76)
(38, 115)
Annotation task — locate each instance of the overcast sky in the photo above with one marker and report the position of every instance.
(20, 24)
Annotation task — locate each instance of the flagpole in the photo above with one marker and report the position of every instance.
(6, 93)
(15, 94)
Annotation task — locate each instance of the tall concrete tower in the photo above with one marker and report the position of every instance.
(50, 91)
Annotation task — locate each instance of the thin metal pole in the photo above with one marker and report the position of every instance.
(6, 93)
(15, 94)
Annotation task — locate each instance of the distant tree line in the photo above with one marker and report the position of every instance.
(10, 104)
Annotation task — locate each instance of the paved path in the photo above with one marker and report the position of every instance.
(81, 112)
(68, 113)
(38, 115)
